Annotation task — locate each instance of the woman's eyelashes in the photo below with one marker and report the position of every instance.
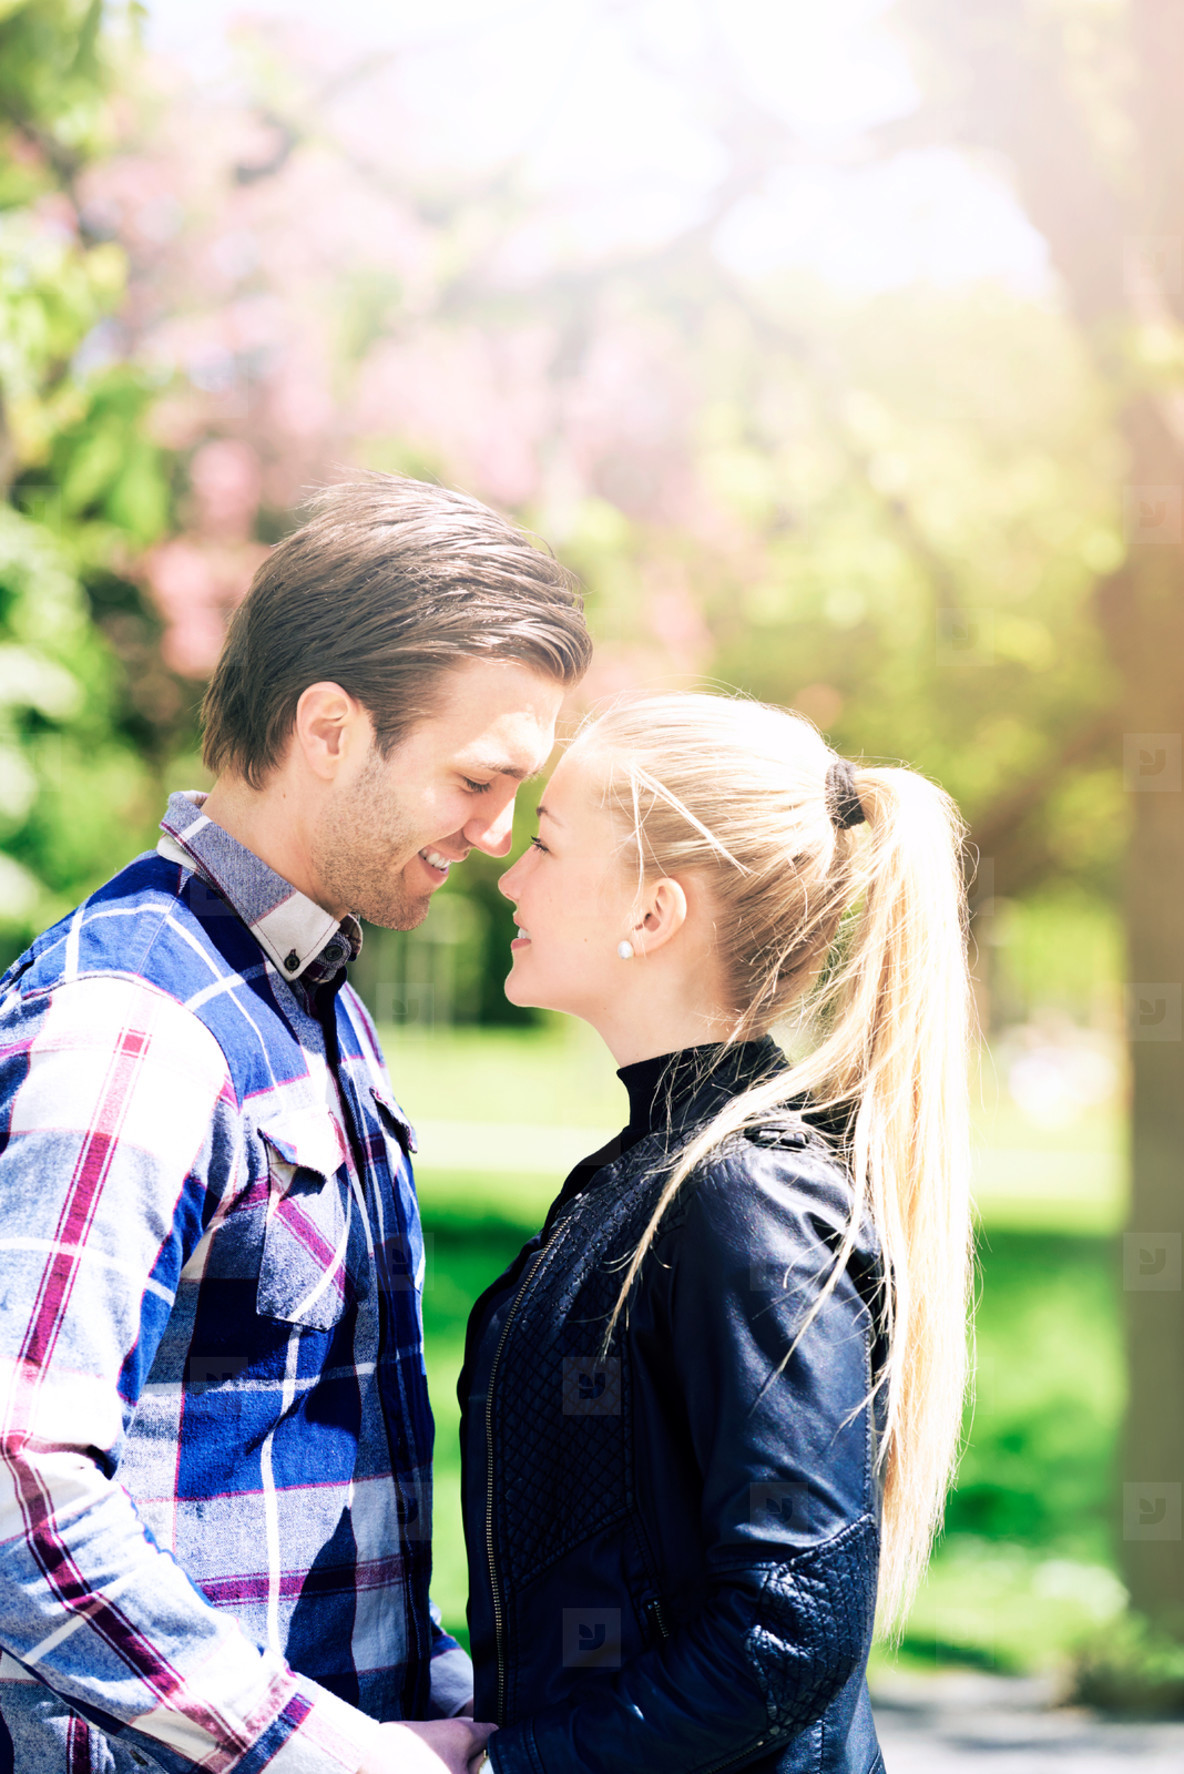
(537, 844)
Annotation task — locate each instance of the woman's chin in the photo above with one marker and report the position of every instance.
(517, 992)
(527, 993)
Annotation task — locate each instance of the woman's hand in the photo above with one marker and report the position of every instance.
(439, 1746)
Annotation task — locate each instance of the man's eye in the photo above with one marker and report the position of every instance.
(474, 788)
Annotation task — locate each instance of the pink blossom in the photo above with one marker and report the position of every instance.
(195, 586)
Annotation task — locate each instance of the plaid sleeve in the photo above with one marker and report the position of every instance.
(118, 1130)
(452, 1672)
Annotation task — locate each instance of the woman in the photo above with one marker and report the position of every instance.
(719, 1394)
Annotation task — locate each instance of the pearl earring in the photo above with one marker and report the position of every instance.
(625, 950)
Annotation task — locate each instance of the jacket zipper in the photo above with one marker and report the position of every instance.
(498, 1620)
(657, 1614)
(732, 1761)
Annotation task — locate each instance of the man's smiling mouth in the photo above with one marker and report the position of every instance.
(436, 861)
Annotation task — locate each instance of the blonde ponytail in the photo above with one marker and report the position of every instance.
(866, 925)
(897, 1048)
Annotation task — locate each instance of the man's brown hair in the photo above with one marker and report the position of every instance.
(389, 584)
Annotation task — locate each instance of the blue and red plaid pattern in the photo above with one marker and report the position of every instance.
(215, 1438)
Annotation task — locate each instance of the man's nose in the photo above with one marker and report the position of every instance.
(493, 835)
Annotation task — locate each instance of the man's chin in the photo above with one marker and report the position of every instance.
(407, 914)
(412, 915)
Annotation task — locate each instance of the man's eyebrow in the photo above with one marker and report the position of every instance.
(483, 765)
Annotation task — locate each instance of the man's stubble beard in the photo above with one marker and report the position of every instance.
(362, 849)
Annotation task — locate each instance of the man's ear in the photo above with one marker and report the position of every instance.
(663, 914)
(328, 725)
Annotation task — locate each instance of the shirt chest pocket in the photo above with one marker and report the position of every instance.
(316, 1259)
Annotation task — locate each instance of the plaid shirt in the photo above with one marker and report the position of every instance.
(215, 1440)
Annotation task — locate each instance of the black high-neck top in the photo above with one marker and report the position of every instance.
(662, 1090)
(671, 1089)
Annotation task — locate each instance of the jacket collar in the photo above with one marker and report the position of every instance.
(677, 1090)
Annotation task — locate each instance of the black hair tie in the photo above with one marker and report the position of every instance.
(842, 798)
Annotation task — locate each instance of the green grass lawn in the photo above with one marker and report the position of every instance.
(1024, 1571)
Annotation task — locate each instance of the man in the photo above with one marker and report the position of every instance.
(215, 1440)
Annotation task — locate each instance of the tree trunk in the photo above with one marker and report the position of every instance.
(1153, 1444)
(1012, 84)
(1145, 621)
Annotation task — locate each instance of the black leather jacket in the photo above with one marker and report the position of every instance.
(673, 1547)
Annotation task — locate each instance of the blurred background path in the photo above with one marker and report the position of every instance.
(946, 1724)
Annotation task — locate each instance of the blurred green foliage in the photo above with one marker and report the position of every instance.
(1133, 1668)
(1048, 1394)
(85, 487)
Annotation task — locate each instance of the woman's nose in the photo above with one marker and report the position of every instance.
(506, 883)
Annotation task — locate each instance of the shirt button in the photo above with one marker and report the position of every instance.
(291, 960)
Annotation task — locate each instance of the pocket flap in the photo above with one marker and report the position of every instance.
(316, 1249)
(395, 1121)
(305, 1138)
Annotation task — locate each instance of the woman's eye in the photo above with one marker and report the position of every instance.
(474, 788)
(537, 844)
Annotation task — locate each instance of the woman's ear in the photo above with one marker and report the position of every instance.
(663, 915)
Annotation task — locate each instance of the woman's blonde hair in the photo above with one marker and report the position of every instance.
(866, 925)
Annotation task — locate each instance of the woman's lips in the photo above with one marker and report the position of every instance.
(521, 941)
